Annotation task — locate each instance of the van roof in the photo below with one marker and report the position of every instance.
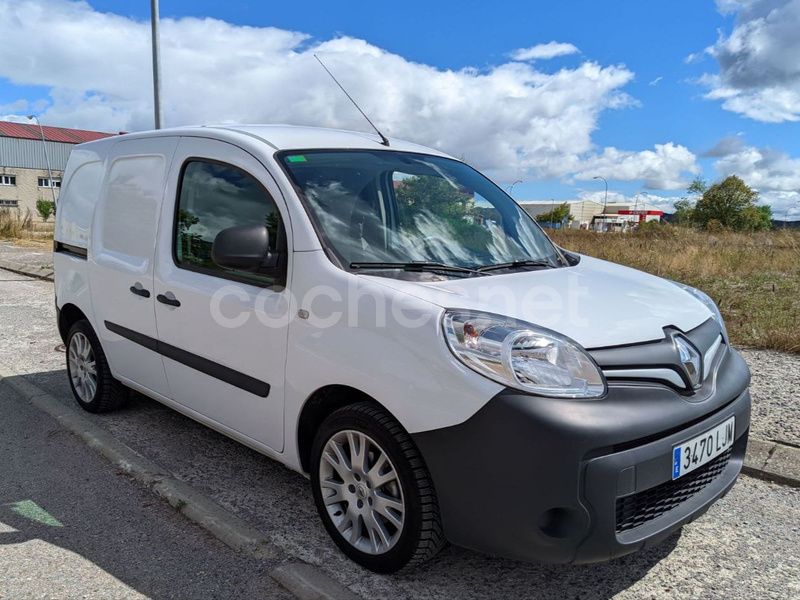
(288, 137)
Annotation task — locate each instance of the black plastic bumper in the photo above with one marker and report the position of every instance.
(542, 479)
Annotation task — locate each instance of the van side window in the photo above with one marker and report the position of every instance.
(214, 197)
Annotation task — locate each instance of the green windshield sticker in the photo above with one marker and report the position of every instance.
(296, 158)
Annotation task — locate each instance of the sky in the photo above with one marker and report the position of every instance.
(648, 95)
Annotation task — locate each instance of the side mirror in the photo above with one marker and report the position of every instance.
(245, 248)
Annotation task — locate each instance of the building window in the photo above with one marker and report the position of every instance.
(8, 180)
(44, 182)
(8, 203)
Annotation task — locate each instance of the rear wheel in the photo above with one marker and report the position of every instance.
(90, 377)
(373, 491)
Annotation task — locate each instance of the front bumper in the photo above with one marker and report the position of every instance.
(566, 481)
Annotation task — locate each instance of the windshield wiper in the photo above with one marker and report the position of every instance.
(517, 264)
(414, 266)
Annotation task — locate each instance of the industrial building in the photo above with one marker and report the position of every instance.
(24, 176)
(587, 214)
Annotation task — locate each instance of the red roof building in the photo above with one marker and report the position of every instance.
(28, 131)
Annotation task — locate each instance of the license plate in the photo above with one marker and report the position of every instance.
(693, 454)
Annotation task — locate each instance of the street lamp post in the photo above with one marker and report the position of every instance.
(636, 205)
(156, 62)
(605, 202)
(511, 187)
(46, 156)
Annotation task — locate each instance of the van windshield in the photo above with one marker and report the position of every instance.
(383, 208)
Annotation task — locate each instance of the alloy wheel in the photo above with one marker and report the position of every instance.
(82, 367)
(361, 491)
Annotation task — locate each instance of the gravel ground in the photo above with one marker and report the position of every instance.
(776, 402)
(744, 547)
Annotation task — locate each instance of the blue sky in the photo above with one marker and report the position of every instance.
(627, 89)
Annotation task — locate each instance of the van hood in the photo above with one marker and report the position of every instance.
(596, 303)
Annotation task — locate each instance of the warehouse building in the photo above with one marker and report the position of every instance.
(24, 177)
(587, 214)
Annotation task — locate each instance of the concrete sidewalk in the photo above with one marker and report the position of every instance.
(35, 260)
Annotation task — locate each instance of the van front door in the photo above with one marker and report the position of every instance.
(222, 333)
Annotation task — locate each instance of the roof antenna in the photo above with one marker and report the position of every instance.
(384, 139)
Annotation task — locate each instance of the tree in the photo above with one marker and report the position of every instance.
(434, 196)
(732, 204)
(698, 186)
(684, 212)
(557, 215)
(45, 208)
(684, 208)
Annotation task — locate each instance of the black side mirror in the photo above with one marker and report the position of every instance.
(245, 248)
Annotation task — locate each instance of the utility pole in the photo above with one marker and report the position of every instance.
(46, 157)
(156, 62)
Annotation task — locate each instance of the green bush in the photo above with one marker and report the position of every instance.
(45, 208)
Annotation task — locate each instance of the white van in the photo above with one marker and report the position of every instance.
(388, 322)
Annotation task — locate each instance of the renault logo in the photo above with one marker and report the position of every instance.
(690, 360)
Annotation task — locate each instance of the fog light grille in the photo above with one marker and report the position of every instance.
(638, 509)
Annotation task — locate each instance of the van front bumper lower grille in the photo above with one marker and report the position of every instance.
(638, 509)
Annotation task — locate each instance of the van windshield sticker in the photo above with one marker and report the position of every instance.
(296, 158)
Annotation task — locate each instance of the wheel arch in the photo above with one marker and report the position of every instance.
(316, 409)
(68, 315)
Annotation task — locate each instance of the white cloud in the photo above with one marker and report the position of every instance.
(725, 147)
(775, 175)
(759, 71)
(762, 168)
(512, 120)
(664, 168)
(656, 81)
(544, 51)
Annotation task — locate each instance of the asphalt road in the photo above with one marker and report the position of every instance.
(71, 527)
(746, 546)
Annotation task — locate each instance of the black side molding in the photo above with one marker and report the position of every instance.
(198, 363)
(69, 249)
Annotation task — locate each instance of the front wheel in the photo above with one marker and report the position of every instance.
(373, 491)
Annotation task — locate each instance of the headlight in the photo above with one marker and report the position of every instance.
(522, 356)
(706, 299)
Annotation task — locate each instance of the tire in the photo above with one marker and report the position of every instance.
(89, 376)
(386, 509)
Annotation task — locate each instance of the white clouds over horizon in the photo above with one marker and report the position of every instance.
(514, 120)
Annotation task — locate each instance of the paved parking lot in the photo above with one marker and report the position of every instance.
(744, 547)
(71, 526)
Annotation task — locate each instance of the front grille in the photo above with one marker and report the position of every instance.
(638, 509)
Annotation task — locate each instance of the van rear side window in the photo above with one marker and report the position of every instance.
(214, 197)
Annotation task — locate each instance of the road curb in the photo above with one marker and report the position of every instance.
(308, 583)
(304, 581)
(773, 461)
(39, 273)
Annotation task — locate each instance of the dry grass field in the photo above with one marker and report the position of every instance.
(23, 229)
(754, 278)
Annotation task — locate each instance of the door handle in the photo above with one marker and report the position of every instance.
(139, 290)
(165, 300)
